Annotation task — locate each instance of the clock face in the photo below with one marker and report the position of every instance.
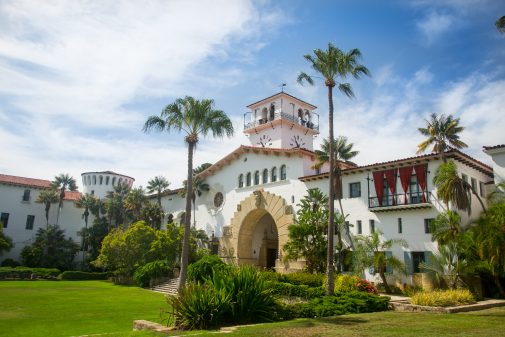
(265, 141)
(297, 142)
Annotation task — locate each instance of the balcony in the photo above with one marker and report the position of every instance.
(290, 118)
(394, 202)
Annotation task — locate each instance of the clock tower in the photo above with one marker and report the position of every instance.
(281, 121)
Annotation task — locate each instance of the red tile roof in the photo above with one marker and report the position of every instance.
(35, 183)
(494, 147)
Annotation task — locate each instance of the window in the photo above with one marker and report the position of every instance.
(464, 177)
(372, 226)
(265, 176)
(427, 225)
(4, 218)
(248, 179)
(417, 259)
(241, 180)
(94, 180)
(387, 199)
(474, 184)
(92, 192)
(113, 181)
(283, 172)
(100, 180)
(482, 189)
(360, 228)
(292, 199)
(256, 178)
(218, 199)
(400, 229)
(274, 174)
(355, 190)
(26, 195)
(30, 219)
(107, 180)
(414, 192)
(89, 180)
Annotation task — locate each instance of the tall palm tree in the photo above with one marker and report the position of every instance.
(333, 65)
(199, 187)
(500, 24)
(159, 185)
(63, 182)
(343, 153)
(442, 132)
(134, 201)
(114, 204)
(88, 202)
(446, 227)
(47, 197)
(195, 118)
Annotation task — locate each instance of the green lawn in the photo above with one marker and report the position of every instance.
(73, 308)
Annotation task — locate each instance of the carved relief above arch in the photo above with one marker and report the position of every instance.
(236, 243)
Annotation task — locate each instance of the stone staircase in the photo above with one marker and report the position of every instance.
(168, 288)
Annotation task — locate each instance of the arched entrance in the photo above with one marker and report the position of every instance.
(258, 240)
(258, 231)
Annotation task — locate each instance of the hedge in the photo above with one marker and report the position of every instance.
(81, 275)
(288, 289)
(26, 273)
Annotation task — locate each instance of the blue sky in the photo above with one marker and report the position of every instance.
(79, 78)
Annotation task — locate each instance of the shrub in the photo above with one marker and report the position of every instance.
(366, 286)
(270, 275)
(345, 283)
(308, 279)
(205, 268)
(144, 275)
(288, 289)
(443, 298)
(81, 275)
(10, 263)
(25, 273)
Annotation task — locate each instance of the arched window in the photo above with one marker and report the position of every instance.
(265, 176)
(241, 180)
(107, 180)
(94, 180)
(272, 112)
(256, 178)
(264, 116)
(89, 180)
(84, 181)
(100, 180)
(274, 174)
(248, 179)
(113, 181)
(120, 181)
(283, 172)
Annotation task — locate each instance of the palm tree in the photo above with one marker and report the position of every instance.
(199, 187)
(63, 182)
(47, 197)
(134, 201)
(442, 132)
(451, 187)
(114, 204)
(371, 253)
(447, 265)
(159, 185)
(446, 227)
(333, 65)
(343, 153)
(194, 118)
(500, 24)
(88, 202)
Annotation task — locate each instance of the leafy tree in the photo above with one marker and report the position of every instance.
(159, 185)
(500, 24)
(447, 264)
(125, 250)
(333, 65)
(63, 182)
(47, 197)
(152, 215)
(5, 241)
(343, 153)
(442, 132)
(114, 204)
(134, 201)
(371, 253)
(451, 187)
(195, 118)
(94, 236)
(307, 236)
(50, 250)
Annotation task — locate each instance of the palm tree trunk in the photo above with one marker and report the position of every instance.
(187, 220)
(48, 206)
(194, 211)
(498, 285)
(330, 256)
(385, 282)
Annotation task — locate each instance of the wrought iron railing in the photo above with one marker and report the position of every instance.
(311, 124)
(400, 199)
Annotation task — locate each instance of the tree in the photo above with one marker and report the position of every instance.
(63, 182)
(333, 65)
(371, 252)
(307, 236)
(152, 215)
(114, 204)
(447, 265)
(452, 188)
(442, 132)
(88, 202)
(343, 153)
(199, 187)
(5, 241)
(159, 185)
(47, 197)
(500, 24)
(446, 227)
(94, 236)
(50, 250)
(195, 118)
(134, 201)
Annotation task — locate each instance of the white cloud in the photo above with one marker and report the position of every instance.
(435, 24)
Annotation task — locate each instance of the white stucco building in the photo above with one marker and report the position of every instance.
(255, 190)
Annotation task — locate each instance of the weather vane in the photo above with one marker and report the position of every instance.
(282, 86)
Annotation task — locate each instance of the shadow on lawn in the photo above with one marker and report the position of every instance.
(338, 320)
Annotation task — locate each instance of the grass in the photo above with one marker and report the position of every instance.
(73, 308)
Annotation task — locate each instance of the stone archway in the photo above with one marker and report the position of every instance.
(244, 240)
